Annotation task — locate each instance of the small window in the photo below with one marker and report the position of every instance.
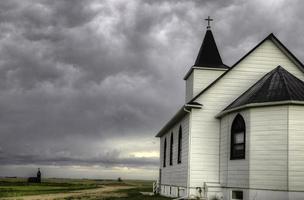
(180, 138)
(237, 195)
(171, 149)
(238, 130)
(165, 153)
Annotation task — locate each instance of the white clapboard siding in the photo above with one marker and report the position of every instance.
(224, 145)
(265, 163)
(205, 127)
(176, 174)
(268, 147)
(189, 87)
(233, 173)
(199, 80)
(296, 148)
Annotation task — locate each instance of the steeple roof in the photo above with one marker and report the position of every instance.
(277, 85)
(209, 55)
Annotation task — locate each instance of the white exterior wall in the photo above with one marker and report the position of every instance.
(296, 148)
(189, 87)
(199, 79)
(234, 173)
(205, 127)
(176, 174)
(204, 149)
(173, 191)
(273, 166)
(225, 126)
(268, 148)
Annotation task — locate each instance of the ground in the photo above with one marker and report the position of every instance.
(80, 189)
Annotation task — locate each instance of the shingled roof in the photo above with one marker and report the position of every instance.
(277, 85)
(208, 55)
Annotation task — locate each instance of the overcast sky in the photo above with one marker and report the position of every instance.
(86, 84)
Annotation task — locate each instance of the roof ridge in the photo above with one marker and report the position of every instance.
(263, 77)
(285, 81)
(270, 74)
(270, 36)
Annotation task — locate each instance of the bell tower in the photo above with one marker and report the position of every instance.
(208, 66)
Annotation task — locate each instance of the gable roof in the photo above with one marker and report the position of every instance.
(277, 85)
(179, 115)
(208, 55)
(271, 37)
(182, 112)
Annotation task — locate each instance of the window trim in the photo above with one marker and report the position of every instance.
(171, 150)
(179, 148)
(165, 153)
(235, 131)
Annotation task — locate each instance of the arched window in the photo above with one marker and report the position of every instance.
(165, 153)
(171, 149)
(238, 131)
(179, 151)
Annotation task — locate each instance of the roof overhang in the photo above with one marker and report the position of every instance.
(182, 112)
(224, 68)
(193, 105)
(254, 105)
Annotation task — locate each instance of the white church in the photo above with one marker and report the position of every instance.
(240, 133)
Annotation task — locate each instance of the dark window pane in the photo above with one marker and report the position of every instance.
(238, 140)
(239, 147)
(171, 149)
(237, 195)
(165, 153)
(179, 153)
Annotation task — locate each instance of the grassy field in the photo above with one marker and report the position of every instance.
(81, 189)
(10, 187)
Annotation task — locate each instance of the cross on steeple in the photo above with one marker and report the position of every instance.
(209, 20)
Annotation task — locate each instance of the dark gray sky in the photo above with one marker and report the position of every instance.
(86, 84)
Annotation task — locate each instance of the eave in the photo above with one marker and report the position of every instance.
(255, 105)
(182, 112)
(224, 68)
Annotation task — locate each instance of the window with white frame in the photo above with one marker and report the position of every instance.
(238, 131)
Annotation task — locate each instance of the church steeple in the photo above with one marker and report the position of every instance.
(208, 66)
(209, 55)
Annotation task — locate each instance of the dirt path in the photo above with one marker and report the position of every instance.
(105, 191)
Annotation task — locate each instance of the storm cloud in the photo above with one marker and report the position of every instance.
(90, 82)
